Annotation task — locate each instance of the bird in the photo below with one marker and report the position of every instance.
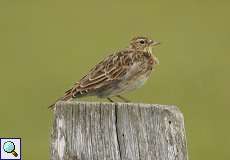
(118, 73)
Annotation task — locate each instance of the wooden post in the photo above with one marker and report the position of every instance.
(117, 131)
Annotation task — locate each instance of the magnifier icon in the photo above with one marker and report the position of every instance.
(9, 147)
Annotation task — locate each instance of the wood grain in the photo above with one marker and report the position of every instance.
(117, 131)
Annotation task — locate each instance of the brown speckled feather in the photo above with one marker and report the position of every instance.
(124, 70)
(112, 68)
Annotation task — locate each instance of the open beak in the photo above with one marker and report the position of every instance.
(154, 43)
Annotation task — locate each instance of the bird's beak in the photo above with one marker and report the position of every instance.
(154, 43)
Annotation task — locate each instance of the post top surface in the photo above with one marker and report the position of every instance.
(171, 108)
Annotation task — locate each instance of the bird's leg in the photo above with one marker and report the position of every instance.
(110, 99)
(123, 98)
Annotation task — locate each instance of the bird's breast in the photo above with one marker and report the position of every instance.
(136, 76)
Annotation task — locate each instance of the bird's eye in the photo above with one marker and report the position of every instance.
(142, 41)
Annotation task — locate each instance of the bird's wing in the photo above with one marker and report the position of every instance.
(113, 68)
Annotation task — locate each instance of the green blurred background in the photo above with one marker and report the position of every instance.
(46, 45)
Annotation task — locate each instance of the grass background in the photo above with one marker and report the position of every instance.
(46, 45)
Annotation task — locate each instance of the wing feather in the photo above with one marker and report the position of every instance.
(112, 68)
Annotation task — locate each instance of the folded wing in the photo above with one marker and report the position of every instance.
(113, 68)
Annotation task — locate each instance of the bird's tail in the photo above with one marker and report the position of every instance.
(68, 96)
(53, 105)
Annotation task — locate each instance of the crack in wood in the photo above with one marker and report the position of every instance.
(120, 131)
(116, 130)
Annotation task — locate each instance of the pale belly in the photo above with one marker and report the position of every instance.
(134, 79)
(127, 86)
(135, 83)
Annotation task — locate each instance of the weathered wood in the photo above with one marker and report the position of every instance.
(121, 131)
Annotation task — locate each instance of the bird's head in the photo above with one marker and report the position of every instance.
(143, 43)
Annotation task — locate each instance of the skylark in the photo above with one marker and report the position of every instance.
(123, 71)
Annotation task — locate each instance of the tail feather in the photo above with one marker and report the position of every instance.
(52, 105)
(66, 97)
(69, 94)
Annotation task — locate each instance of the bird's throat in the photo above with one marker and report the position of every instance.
(148, 49)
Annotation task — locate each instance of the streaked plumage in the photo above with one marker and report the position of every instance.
(120, 72)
